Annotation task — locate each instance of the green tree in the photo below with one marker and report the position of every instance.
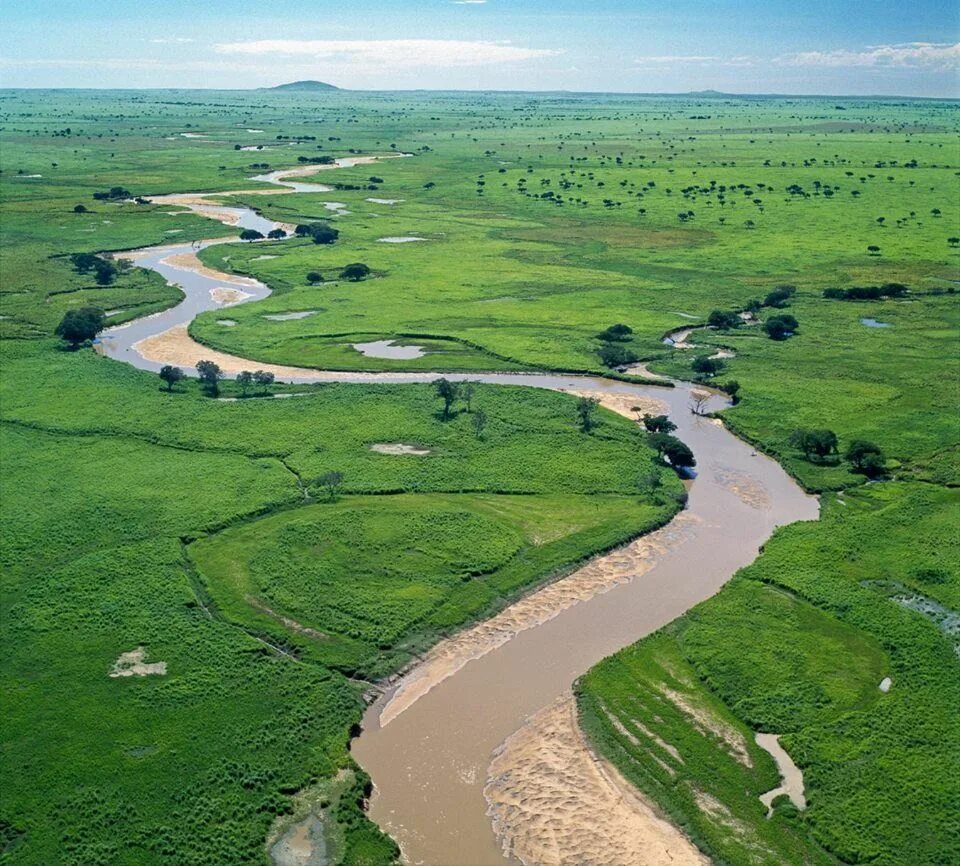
(314, 277)
(706, 366)
(780, 327)
(448, 392)
(276, 234)
(251, 235)
(355, 272)
(331, 482)
(725, 320)
(78, 326)
(586, 413)
(616, 355)
(171, 375)
(479, 423)
(263, 378)
(244, 380)
(815, 443)
(658, 424)
(210, 375)
(467, 389)
(79, 208)
(866, 457)
(675, 451)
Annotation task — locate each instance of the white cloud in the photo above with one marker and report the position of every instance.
(908, 55)
(173, 40)
(468, 2)
(394, 53)
(678, 58)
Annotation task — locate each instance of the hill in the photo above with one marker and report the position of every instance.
(303, 85)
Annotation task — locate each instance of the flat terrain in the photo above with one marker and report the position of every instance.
(197, 529)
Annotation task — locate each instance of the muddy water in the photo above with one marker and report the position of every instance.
(430, 759)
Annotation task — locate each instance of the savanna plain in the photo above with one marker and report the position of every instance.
(204, 585)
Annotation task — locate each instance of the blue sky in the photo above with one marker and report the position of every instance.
(743, 46)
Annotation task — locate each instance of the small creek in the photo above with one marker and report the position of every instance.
(428, 742)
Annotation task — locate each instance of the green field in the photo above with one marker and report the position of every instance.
(195, 528)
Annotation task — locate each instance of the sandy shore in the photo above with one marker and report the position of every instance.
(554, 803)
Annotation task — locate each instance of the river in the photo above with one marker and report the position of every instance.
(429, 742)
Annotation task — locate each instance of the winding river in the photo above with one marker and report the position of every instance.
(475, 753)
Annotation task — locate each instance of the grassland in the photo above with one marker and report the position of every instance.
(174, 522)
(798, 644)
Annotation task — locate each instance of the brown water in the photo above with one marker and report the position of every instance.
(430, 760)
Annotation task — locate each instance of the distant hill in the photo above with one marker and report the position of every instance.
(303, 85)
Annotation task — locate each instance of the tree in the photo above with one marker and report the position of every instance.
(616, 355)
(586, 411)
(314, 277)
(779, 296)
(103, 272)
(355, 272)
(815, 443)
(698, 402)
(324, 234)
(658, 424)
(873, 249)
(724, 319)
(263, 378)
(953, 241)
(331, 482)
(732, 388)
(210, 375)
(251, 235)
(276, 234)
(244, 380)
(78, 326)
(171, 375)
(79, 208)
(616, 333)
(675, 451)
(466, 391)
(706, 366)
(448, 392)
(479, 423)
(865, 456)
(780, 327)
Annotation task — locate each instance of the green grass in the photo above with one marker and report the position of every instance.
(370, 580)
(134, 517)
(797, 644)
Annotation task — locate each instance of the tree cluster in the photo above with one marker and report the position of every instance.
(867, 293)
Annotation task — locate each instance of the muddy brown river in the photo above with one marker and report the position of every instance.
(429, 743)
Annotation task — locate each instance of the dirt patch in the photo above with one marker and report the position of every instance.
(398, 449)
(554, 802)
(598, 576)
(624, 404)
(132, 664)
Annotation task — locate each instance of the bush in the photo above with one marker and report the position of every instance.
(779, 296)
(616, 334)
(724, 319)
(355, 272)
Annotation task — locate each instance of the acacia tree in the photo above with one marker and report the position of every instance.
(479, 423)
(263, 378)
(866, 457)
(244, 380)
(78, 326)
(466, 392)
(586, 412)
(658, 424)
(331, 482)
(815, 444)
(675, 451)
(210, 375)
(698, 402)
(171, 375)
(448, 392)
(355, 272)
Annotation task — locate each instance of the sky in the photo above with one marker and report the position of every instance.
(837, 47)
